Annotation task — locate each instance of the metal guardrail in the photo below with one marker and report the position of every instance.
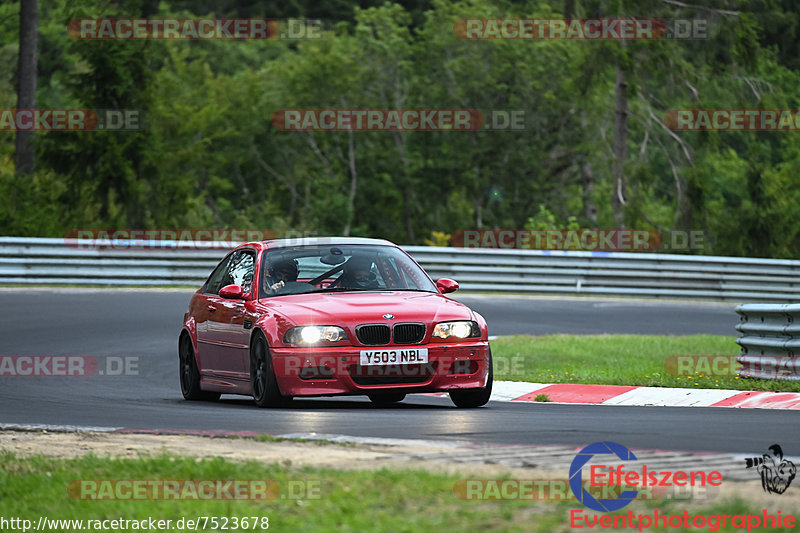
(37, 261)
(770, 341)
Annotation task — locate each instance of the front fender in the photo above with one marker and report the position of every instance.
(190, 327)
(268, 325)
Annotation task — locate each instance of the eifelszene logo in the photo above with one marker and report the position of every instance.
(776, 472)
(576, 483)
(619, 476)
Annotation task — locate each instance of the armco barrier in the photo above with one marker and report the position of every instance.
(37, 261)
(770, 341)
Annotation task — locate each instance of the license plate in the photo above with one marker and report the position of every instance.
(393, 357)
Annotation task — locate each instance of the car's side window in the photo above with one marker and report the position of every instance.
(236, 269)
(241, 270)
(214, 283)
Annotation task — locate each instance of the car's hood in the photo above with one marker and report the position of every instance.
(352, 308)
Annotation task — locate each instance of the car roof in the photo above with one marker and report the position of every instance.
(325, 241)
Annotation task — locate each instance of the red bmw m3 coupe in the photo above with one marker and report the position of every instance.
(330, 316)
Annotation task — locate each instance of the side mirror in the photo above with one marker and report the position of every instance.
(446, 285)
(232, 292)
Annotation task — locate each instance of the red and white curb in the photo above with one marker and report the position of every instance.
(514, 391)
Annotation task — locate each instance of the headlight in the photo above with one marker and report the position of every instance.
(463, 330)
(306, 335)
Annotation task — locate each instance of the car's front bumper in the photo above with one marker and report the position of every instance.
(335, 370)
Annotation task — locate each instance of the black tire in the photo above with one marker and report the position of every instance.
(387, 399)
(189, 375)
(262, 375)
(475, 397)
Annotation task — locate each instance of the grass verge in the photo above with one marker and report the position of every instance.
(643, 360)
(412, 500)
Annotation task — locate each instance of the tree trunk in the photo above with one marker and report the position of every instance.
(569, 9)
(26, 90)
(351, 195)
(683, 208)
(587, 182)
(400, 144)
(618, 200)
(407, 199)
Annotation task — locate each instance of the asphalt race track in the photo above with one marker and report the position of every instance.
(144, 325)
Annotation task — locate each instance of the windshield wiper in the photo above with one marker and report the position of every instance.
(413, 290)
(378, 289)
(345, 289)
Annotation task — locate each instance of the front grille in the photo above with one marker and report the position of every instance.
(373, 334)
(408, 333)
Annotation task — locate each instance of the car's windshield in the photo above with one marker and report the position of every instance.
(339, 268)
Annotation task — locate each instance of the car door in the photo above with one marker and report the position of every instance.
(228, 335)
(205, 305)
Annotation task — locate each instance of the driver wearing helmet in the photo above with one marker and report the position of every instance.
(358, 274)
(281, 272)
